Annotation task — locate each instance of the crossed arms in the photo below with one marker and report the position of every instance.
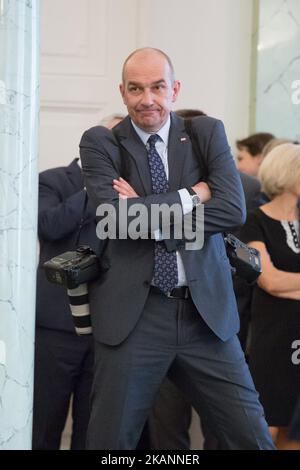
(224, 207)
(273, 280)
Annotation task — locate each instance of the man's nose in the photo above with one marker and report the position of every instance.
(147, 98)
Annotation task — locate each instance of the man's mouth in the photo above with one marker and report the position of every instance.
(148, 111)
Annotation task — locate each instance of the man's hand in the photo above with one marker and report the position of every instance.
(124, 189)
(203, 191)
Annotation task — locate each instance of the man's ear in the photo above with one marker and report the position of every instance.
(176, 89)
(122, 91)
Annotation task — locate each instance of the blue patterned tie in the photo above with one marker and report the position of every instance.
(165, 264)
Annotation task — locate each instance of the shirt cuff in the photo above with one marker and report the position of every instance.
(158, 235)
(186, 201)
(187, 206)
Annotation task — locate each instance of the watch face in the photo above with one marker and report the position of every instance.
(196, 200)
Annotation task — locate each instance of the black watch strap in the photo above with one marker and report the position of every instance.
(191, 191)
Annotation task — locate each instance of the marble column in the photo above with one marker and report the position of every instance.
(19, 106)
(278, 68)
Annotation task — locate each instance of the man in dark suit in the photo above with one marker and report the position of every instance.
(154, 311)
(63, 360)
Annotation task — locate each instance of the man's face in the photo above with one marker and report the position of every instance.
(248, 164)
(148, 90)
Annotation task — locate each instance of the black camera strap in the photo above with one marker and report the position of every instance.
(81, 224)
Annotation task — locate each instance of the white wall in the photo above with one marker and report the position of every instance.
(209, 42)
(84, 43)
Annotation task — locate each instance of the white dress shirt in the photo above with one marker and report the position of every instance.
(186, 200)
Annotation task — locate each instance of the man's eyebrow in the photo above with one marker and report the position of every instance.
(133, 83)
(158, 82)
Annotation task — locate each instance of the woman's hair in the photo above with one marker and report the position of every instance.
(255, 143)
(280, 169)
(107, 121)
(273, 143)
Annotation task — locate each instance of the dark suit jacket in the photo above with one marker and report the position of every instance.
(243, 291)
(118, 297)
(61, 214)
(252, 190)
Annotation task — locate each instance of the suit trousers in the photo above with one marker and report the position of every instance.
(171, 338)
(63, 367)
(170, 418)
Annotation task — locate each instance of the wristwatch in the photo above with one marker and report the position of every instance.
(196, 201)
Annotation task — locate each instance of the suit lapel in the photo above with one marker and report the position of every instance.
(178, 147)
(131, 142)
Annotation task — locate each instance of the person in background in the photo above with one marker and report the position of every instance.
(274, 143)
(273, 229)
(63, 360)
(112, 120)
(294, 429)
(187, 113)
(249, 155)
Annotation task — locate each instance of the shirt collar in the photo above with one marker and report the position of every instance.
(163, 132)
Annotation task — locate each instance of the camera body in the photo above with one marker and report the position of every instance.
(244, 260)
(73, 268)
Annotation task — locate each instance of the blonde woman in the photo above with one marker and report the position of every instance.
(273, 229)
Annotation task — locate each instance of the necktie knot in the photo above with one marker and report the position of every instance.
(152, 140)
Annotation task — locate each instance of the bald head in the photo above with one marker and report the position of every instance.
(145, 54)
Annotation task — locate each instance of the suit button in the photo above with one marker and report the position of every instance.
(146, 283)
